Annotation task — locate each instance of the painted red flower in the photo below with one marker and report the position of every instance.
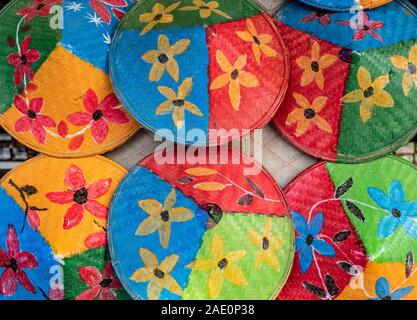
(99, 7)
(14, 261)
(81, 197)
(322, 16)
(23, 60)
(32, 119)
(99, 115)
(96, 240)
(37, 7)
(363, 26)
(101, 285)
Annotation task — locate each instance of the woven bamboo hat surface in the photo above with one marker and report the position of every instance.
(55, 92)
(194, 64)
(64, 203)
(356, 234)
(200, 231)
(353, 83)
(345, 5)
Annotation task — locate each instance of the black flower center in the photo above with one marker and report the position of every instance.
(366, 28)
(163, 58)
(396, 213)
(23, 59)
(106, 283)
(40, 6)
(165, 216)
(158, 17)
(158, 273)
(81, 196)
(13, 264)
(265, 243)
(204, 7)
(309, 239)
(315, 66)
(222, 263)
(386, 298)
(309, 113)
(97, 115)
(235, 74)
(321, 13)
(256, 40)
(31, 114)
(368, 92)
(179, 102)
(412, 68)
(346, 55)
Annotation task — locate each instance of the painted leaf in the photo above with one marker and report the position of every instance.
(201, 171)
(11, 42)
(29, 190)
(319, 292)
(210, 186)
(255, 187)
(409, 264)
(342, 236)
(63, 129)
(245, 200)
(119, 14)
(185, 180)
(344, 187)
(76, 142)
(331, 285)
(355, 211)
(96, 240)
(25, 28)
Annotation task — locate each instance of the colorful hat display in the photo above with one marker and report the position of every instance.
(65, 202)
(345, 5)
(55, 92)
(200, 231)
(26, 259)
(356, 233)
(184, 67)
(353, 80)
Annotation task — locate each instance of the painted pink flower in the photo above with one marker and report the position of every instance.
(37, 8)
(14, 261)
(23, 60)
(363, 26)
(98, 115)
(322, 16)
(81, 197)
(32, 119)
(99, 7)
(56, 294)
(102, 285)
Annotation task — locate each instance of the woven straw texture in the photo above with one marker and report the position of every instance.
(33, 258)
(224, 216)
(352, 91)
(219, 68)
(356, 236)
(66, 202)
(56, 52)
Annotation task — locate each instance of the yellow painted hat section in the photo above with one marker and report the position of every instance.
(62, 81)
(47, 175)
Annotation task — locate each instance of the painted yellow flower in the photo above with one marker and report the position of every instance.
(234, 76)
(307, 113)
(221, 265)
(259, 41)
(161, 216)
(163, 59)
(205, 8)
(409, 66)
(313, 66)
(159, 14)
(158, 275)
(177, 104)
(370, 94)
(267, 244)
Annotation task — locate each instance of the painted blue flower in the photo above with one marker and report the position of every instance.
(383, 291)
(307, 239)
(401, 212)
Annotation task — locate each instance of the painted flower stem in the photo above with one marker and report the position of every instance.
(337, 246)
